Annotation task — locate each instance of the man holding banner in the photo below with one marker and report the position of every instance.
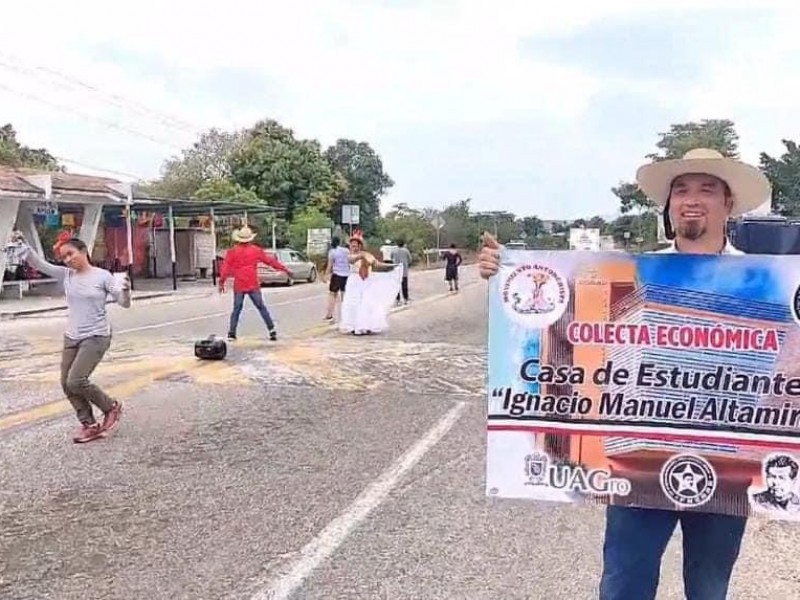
(697, 193)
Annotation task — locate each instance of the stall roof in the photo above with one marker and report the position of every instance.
(57, 185)
(34, 183)
(195, 208)
(13, 183)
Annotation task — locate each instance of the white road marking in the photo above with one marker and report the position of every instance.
(214, 315)
(269, 305)
(217, 315)
(313, 554)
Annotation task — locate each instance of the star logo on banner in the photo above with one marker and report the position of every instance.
(688, 480)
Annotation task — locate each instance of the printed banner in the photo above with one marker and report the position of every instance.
(662, 380)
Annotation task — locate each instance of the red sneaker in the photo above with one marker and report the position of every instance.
(111, 419)
(88, 433)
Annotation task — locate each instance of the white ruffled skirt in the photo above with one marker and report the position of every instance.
(367, 302)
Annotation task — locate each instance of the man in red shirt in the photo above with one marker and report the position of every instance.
(241, 263)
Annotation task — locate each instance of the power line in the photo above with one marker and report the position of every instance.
(87, 116)
(111, 97)
(163, 117)
(64, 159)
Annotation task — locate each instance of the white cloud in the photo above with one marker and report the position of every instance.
(758, 86)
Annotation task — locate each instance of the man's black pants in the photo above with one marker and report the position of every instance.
(403, 290)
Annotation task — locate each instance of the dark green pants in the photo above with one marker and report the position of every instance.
(78, 360)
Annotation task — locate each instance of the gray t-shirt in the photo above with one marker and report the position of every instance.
(86, 293)
(401, 256)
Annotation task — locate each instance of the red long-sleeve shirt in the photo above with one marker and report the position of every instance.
(241, 263)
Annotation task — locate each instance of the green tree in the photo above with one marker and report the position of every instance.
(307, 218)
(784, 175)
(408, 225)
(631, 198)
(207, 160)
(718, 134)
(328, 199)
(502, 224)
(285, 172)
(532, 226)
(597, 223)
(225, 190)
(549, 242)
(402, 209)
(367, 182)
(642, 227)
(508, 230)
(14, 154)
(461, 227)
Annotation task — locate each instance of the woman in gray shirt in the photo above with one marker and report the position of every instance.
(88, 334)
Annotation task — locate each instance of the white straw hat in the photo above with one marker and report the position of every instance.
(749, 186)
(243, 235)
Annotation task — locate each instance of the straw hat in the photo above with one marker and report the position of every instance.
(243, 235)
(749, 187)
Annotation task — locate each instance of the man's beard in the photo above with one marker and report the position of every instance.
(692, 230)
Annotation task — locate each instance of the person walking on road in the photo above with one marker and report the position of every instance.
(88, 334)
(698, 194)
(241, 263)
(401, 256)
(337, 271)
(452, 260)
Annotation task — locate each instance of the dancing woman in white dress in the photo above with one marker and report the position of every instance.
(370, 294)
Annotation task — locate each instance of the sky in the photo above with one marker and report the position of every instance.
(538, 108)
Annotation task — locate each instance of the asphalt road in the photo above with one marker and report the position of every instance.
(320, 467)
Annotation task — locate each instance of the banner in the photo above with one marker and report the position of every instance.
(666, 381)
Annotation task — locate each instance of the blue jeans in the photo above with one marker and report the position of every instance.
(637, 537)
(238, 303)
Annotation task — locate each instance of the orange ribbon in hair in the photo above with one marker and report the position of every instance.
(62, 239)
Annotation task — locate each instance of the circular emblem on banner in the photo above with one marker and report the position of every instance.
(796, 304)
(688, 480)
(535, 296)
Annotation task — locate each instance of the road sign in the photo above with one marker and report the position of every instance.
(351, 214)
(438, 221)
(318, 241)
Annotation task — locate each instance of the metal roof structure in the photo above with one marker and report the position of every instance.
(57, 186)
(195, 208)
